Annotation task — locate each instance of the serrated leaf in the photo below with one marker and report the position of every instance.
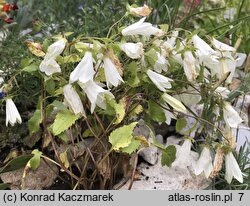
(31, 68)
(35, 121)
(131, 76)
(64, 158)
(156, 112)
(133, 146)
(59, 105)
(180, 124)
(151, 56)
(168, 155)
(64, 120)
(122, 137)
(50, 86)
(137, 110)
(35, 160)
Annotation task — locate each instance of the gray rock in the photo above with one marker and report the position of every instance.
(150, 154)
(159, 177)
(43, 177)
(159, 138)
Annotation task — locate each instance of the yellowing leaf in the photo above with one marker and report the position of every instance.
(35, 48)
(34, 162)
(143, 140)
(122, 137)
(64, 120)
(132, 147)
(64, 158)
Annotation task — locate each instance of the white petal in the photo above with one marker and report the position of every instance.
(202, 46)
(133, 50)
(55, 49)
(142, 28)
(232, 169)
(176, 104)
(12, 114)
(231, 117)
(160, 81)
(204, 163)
(222, 46)
(182, 154)
(73, 100)
(95, 94)
(189, 66)
(84, 71)
(223, 91)
(161, 63)
(49, 66)
(169, 115)
(111, 73)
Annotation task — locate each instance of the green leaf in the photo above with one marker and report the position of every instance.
(16, 163)
(119, 109)
(26, 62)
(31, 68)
(133, 146)
(35, 121)
(64, 120)
(4, 186)
(151, 56)
(63, 137)
(156, 112)
(81, 47)
(180, 124)
(131, 76)
(35, 160)
(164, 27)
(122, 137)
(168, 155)
(50, 86)
(72, 58)
(59, 105)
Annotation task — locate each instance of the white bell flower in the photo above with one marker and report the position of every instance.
(133, 50)
(232, 169)
(49, 64)
(222, 46)
(182, 154)
(189, 65)
(160, 81)
(161, 63)
(204, 163)
(95, 94)
(12, 114)
(223, 92)
(142, 28)
(55, 49)
(84, 71)
(203, 49)
(73, 100)
(112, 75)
(176, 104)
(168, 115)
(231, 117)
(49, 67)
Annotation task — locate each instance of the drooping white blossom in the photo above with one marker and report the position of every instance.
(95, 94)
(133, 50)
(12, 114)
(49, 65)
(160, 81)
(73, 100)
(182, 154)
(84, 71)
(204, 163)
(189, 65)
(161, 63)
(112, 75)
(231, 117)
(142, 28)
(232, 169)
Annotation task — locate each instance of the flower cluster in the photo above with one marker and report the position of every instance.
(149, 62)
